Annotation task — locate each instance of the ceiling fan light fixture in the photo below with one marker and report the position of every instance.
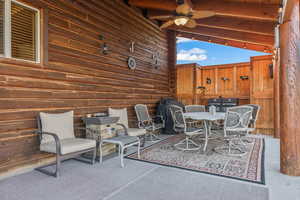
(180, 21)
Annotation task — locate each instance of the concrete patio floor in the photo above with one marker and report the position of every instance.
(280, 186)
(140, 180)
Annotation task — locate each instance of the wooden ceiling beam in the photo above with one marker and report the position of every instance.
(253, 38)
(228, 23)
(234, 9)
(237, 44)
(238, 24)
(169, 5)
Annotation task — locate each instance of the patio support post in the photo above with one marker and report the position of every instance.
(172, 61)
(290, 91)
(276, 98)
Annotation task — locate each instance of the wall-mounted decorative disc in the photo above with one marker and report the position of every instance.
(131, 63)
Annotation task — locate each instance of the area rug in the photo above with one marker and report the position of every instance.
(249, 167)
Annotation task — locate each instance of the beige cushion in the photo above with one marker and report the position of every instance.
(136, 131)
(62, 124)
(69, 145)
(122, 113)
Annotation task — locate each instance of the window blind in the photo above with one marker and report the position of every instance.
(23, 32)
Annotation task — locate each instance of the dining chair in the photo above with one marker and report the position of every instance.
(152, 125)
(195, 108)
(256, 109)
(252, 124)
(187, 144)
(237, 120)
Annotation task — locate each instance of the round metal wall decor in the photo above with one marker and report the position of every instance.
(131, 63)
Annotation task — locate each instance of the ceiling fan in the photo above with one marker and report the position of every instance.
(184, 15)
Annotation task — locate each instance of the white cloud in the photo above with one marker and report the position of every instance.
(182, 39)
(194, 54)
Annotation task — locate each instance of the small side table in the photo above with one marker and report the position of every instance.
(106, 130)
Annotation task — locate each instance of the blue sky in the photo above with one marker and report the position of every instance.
(205, 53)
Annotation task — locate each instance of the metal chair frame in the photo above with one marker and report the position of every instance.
(148, 123)
(59, 156)
(141, 137)
(242, 125)
(181, 127)
(252, 126)
(194, 108)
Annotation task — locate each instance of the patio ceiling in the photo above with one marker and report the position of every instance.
(239, 23)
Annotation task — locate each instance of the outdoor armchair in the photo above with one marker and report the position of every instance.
(56, 135)
(127, 138)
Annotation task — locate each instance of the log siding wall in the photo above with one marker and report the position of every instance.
(75, 75)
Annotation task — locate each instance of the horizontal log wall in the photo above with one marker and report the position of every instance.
(75, 75)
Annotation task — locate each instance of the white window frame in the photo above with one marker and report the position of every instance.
(7, 31)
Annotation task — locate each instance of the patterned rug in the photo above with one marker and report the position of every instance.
(249, 167)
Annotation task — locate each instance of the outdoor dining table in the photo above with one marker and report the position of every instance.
(207, 117)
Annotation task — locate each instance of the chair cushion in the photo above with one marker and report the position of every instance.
(62, 124)
(69, 145)
(136, 131)
(122, 139)
(122, 113)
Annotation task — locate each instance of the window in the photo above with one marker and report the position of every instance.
(19, 31)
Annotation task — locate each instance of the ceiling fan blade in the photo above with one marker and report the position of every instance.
(183, 9)
(167, 24)
(202, 14)
(191, 23)
(162, 17)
